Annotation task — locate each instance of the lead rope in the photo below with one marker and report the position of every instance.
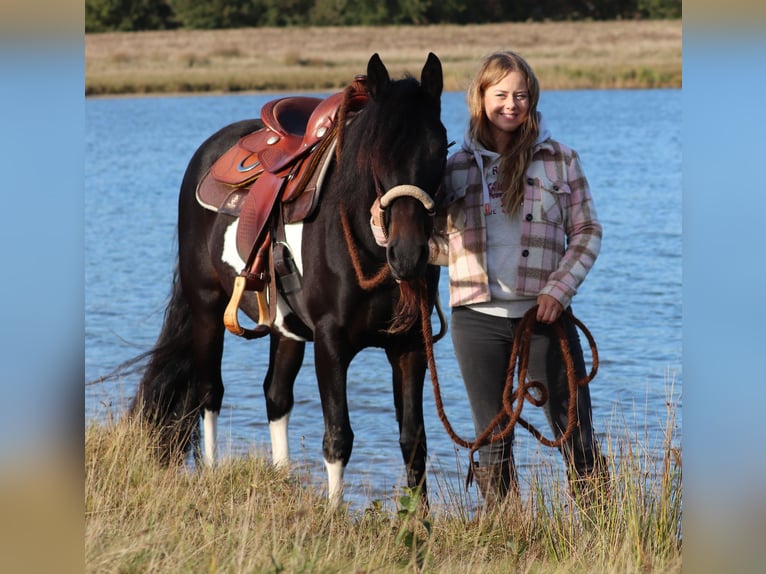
(519, 358)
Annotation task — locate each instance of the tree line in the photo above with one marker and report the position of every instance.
(132, 15)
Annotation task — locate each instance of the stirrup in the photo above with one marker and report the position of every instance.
(231, 321)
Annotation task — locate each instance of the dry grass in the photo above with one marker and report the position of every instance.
(246, 516)
(566, 55)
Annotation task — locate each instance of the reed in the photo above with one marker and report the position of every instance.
(565, 55)
(246, 516)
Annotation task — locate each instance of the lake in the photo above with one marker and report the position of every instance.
(630, 145)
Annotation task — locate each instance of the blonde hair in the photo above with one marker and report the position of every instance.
(516, 157)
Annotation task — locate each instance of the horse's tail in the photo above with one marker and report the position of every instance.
(166, 398)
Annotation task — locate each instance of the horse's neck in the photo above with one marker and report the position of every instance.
(354, 207)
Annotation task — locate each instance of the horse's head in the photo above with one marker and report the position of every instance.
(408, 163)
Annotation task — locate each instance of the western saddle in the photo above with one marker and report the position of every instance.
(275, 172)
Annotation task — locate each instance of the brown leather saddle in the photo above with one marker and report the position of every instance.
(274, 175)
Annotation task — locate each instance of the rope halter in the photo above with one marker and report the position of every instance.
(407, 191)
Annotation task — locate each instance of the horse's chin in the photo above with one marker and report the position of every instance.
(409, 267)
(409, 274)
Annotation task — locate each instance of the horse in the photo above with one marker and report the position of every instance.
(394, 151)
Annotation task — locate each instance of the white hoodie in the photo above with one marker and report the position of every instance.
(503, 235)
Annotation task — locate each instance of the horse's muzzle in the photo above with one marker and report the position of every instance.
(407, 261)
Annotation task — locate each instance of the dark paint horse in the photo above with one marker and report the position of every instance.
(396, 141)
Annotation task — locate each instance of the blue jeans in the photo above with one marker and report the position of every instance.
(483, 346)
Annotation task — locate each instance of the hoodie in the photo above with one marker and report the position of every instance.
(500, 263)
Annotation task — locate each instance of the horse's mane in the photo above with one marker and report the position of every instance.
(392, 121)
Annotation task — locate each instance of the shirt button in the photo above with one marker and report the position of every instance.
(529, 217)
(525, 253)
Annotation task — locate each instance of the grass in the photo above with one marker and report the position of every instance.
(565, 55)
(247, 516)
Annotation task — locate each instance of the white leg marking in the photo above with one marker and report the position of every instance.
(230, 254)
(211, 437)
(334, 482)
(280, 449)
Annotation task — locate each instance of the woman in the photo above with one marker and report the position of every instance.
(517, 228)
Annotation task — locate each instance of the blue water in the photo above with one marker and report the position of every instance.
(630, 144)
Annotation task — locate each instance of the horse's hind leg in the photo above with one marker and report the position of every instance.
(207, 345)
(207, 300)
(408, 369)
(285, 359)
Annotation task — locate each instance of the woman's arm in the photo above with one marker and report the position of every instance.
(583, 232)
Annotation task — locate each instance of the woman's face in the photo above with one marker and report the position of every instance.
(506, 105)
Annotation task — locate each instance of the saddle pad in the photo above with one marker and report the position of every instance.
(211, 193)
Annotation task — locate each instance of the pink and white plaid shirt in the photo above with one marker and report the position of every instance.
(560, 236)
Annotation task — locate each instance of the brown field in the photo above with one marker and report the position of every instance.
(565, 55)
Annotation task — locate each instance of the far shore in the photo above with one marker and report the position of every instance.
(565, 55)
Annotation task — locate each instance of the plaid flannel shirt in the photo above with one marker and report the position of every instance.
(560, 237)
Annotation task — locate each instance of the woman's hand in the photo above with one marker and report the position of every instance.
(548, 309)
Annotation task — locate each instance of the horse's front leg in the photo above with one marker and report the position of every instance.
(408, 366)
(285, 359)
(332, 358)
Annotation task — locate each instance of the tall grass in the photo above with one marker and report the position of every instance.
(247, 516)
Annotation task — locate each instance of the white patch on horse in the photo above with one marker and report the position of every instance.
(211, 437)
(294, 239)
(334, 482)
(279, 320)
(280, 449)
(230, 254)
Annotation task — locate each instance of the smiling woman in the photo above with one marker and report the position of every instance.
(518, 232)
(507, 105)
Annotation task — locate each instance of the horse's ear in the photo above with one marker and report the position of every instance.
(377, 76)
(431, 77)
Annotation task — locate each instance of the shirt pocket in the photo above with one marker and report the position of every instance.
(554, 197)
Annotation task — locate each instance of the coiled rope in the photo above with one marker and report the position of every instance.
(513, 398)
